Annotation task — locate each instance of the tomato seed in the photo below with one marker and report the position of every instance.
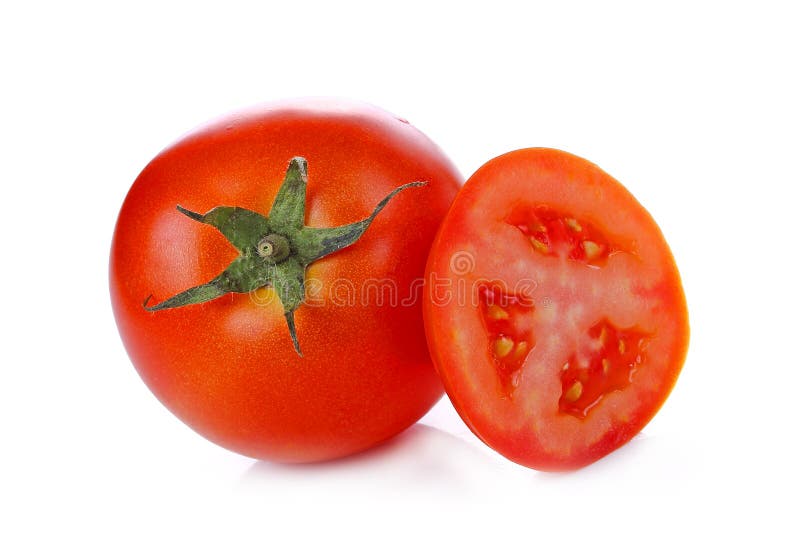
(496, 313)
(574, 392)
(539, 245)
(503, 346)
(591, 249)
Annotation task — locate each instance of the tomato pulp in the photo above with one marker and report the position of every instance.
(555, 312)
(226, 364)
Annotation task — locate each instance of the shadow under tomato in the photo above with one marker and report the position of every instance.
(646, 466)
(423, 460)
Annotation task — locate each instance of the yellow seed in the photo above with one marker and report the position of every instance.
(540, 246)
(521, 349)
(574, 392)
(606, 366)
(603, 336)
(496, 313)
(591, 249)
(573, 224)
(503, 346)
(621, 346)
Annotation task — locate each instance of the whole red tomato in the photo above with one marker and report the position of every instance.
(277, 311)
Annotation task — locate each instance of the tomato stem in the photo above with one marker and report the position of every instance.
(275, 250)
(274, 247)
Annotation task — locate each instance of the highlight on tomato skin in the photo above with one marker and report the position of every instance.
(574, 328)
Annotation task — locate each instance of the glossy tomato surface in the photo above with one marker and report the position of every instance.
(555, 313)
(227, 367)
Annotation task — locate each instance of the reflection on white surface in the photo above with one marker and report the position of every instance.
(647, 465)
(423, 460)
(429, 462)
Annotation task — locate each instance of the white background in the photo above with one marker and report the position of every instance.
(692, 105)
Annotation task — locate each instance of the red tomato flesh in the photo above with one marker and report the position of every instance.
(578, 327)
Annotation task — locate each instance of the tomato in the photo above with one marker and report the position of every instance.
(277, 311)
(555, 313)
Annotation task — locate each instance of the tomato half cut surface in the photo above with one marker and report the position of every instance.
(555, 313)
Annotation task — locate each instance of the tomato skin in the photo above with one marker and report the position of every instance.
(227, 367)
(637, 286)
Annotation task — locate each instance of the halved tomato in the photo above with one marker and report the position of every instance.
(555, 313)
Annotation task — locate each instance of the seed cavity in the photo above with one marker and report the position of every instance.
(555, 234)
(606, 361)
(508, 320)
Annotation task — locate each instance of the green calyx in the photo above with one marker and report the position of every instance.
(275, 250)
